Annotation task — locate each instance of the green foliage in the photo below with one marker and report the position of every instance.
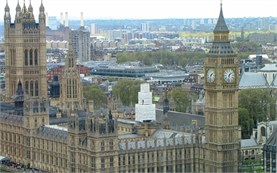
(251, 166)
(161, 57)
(127, 91)
(94, 93)
(181, 98)
(245, 122)
(255, 105)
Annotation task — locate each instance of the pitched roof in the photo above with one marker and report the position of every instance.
(252, 80)
(269, 68)
(221, 25)
(271, 142)
(248, 143)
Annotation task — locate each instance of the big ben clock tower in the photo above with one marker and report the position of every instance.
(221, 104)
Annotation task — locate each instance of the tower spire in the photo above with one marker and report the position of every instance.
(7, 8)
(18, 10)
(221, 31)
(221, 24)
(30, 8)
(24, 9)
(41, 8)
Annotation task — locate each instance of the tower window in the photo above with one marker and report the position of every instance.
(26, 56)
(26, 87)
(36, 57)
(36, 88)
(102, 145)
(31, 88)
(31, 57)
(12, 54)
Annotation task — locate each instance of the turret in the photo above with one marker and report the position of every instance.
(41, 14)
(7, 16)
(30, 10)
(70, 60)
(24, 8)
(101, 126)
(18, 13)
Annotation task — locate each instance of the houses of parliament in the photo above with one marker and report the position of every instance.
(92, 143)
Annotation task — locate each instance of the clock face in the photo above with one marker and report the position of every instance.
(210, 75)
(229, 75)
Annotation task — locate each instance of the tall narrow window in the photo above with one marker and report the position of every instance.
(31, 57)
(26, 56)
(72, 62)
(36, 88)
(26, 87)
(31, 88)
(14, 56)
(74, 89)
(67, 91)
(36, 57)
(69, 62)
(11, 59)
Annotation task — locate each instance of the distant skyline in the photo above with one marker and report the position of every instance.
(149, 9)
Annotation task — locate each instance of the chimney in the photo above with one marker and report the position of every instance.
(46, 22)
(66, 19)
(82, 20)
(62, 23)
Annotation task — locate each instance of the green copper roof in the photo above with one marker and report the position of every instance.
(221, 25)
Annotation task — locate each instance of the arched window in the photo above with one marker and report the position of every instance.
(26, 87)
(36, 88)
(263, 131)
(36, 57)
(31, 88)
(31, 57)
(26, 56)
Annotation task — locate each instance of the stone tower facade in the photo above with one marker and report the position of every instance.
(25, 52)
(221, 104)
(26, 79)
(70, 93)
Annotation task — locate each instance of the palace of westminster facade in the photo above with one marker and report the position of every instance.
(92, 143)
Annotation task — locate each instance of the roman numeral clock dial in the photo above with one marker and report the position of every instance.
(210, 75)
(229, 75)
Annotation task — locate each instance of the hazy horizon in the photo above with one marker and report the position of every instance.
(149, 9)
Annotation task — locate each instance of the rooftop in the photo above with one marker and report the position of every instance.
(248, 143)
(253, 80)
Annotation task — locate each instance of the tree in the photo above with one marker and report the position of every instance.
(181, 98)
(245, 122)
(127, 91)
(94, 93)
(260, 106)
(162, 57)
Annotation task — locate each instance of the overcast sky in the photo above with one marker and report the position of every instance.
(149, 9)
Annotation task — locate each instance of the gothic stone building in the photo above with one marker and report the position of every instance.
(91, 143)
